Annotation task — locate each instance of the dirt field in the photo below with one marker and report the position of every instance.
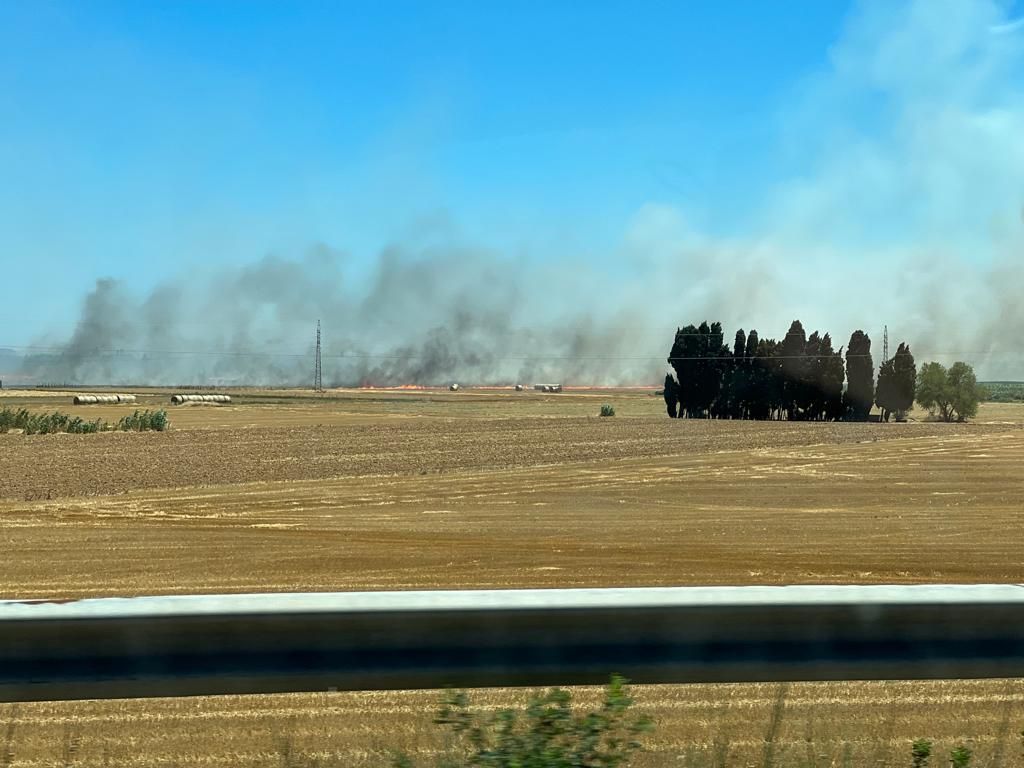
(393, 490)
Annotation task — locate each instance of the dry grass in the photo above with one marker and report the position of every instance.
(484, 489)
(820, 725)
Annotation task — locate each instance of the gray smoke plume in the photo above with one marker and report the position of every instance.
(428, 317)
(458, 314)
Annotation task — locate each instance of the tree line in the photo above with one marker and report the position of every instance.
(800, 378)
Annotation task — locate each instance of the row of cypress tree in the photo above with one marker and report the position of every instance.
(799, 378)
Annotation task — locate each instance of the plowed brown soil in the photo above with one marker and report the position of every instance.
(57, 466)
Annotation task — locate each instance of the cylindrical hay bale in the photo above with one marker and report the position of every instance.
(179, 399)
(84, 399)
(126, 398)
(519, 387)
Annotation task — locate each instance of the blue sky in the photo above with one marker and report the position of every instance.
(138, 137)
(144, 140)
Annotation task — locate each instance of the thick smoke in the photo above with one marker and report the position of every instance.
(906, 212)
(433, 316)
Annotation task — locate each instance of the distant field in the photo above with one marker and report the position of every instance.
(1005, 391)
(393, 490)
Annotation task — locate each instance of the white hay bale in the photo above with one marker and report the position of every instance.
(181, 399)
(519, 387)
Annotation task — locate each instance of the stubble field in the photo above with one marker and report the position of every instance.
(486, 488)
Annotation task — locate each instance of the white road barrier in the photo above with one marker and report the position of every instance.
(222, 644)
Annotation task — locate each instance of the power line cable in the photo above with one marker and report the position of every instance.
(63, 351)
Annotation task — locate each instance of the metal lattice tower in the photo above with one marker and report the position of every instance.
(318, 380)
(885, 345)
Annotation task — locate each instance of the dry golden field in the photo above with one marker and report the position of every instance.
(490, 488)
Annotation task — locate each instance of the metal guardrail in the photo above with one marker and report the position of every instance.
(191, 645)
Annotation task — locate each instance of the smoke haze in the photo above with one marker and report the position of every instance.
(907, 211)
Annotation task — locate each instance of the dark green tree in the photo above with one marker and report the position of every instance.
(885, 391)
(683, 359)
(700, 360)
(767, 393)
(906, 379)
(810, 400)
(736, 383)
(834, 375)
(751, 383)
(793, 357)
(896, 382)
(823, 380)
(860, 388)
(671, 394)
(739, 345)
(717, 377)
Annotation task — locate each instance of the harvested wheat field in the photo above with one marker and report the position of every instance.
(489, 488)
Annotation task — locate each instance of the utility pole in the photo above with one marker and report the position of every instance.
(318, 380)
(885, 345)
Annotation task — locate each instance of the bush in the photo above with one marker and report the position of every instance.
(49, 423)
(960, 757)
(607, 410)
(921, 751)
(142, 421)
(546, 735)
